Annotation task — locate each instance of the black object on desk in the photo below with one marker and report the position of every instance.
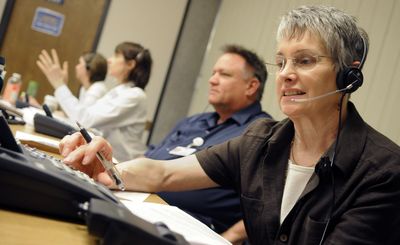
(23, 103)
(11, 114)
(47, 110)
(51, 126)
(32, 181)
(12, 119)
(117, 225)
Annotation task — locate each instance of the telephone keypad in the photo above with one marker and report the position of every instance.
(33, 152)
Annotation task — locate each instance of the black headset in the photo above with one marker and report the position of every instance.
(351, 78)
(140, 56)
(348, 80)
(88, 61)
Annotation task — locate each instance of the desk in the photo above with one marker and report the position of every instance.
(19, 228)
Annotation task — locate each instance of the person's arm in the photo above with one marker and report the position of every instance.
(144, 174)
(119, 107)
(93, 93)
(236, 234)
(141, 174)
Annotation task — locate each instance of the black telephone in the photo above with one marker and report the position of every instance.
(32, 181)
(47, 125)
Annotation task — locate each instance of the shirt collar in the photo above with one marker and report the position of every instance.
(240, 117)
(352, 139)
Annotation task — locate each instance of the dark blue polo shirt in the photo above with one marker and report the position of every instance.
(217, 207)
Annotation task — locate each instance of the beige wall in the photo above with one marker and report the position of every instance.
(2, 5)
(152, 23)
(253, 23)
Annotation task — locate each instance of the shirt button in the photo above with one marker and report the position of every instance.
(283, 238)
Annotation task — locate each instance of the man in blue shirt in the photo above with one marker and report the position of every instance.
(236, 88)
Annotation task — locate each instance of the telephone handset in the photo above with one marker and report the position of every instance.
(32, 181)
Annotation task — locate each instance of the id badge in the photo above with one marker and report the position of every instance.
(182, 151)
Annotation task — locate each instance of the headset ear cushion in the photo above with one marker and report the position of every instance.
(349, 76)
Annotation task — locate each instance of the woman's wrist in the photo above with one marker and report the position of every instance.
(57, 83)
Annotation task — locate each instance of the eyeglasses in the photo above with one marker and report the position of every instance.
(300, 61)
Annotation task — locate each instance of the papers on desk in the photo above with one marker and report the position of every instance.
(131, 196)
(177, 220)
(39, 142)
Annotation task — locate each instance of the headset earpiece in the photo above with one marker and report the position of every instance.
(140, 56)
(349, 79)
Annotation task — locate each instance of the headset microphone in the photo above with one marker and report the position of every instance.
(349, 87)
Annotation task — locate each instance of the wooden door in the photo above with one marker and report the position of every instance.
(21, 44)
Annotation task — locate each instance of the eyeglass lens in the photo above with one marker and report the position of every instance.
(301, 61)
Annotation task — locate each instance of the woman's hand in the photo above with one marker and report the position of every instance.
(51, 68)
(82, 156)
(70, 142)
(236, 234)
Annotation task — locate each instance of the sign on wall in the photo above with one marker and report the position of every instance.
(48, 21)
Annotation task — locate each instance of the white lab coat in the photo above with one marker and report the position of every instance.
(120, 115)
(93, 93)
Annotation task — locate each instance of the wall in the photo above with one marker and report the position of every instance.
(187, 61)
(154, 24)
(253, 24)
(2, 5)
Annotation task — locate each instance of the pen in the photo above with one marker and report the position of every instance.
(108, 166)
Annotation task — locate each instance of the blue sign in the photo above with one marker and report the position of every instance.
(48, 21)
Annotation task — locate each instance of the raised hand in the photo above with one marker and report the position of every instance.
(51, 68)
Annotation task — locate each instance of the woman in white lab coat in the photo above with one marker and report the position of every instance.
(120, 114)
(91, 72)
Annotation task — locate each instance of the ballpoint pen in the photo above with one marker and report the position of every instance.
(108, 165)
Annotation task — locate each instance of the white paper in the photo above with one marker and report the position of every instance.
(131, 196)
(22, 136)
(29, 113)
(178, 221)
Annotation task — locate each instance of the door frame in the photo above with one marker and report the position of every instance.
(5, 19)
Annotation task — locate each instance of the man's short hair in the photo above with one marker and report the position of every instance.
(252, 60)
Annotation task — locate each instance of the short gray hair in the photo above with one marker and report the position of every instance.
(337, 30)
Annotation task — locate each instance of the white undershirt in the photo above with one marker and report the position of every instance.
(296, 180)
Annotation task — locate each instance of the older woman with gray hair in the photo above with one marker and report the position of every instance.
(322, 175)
